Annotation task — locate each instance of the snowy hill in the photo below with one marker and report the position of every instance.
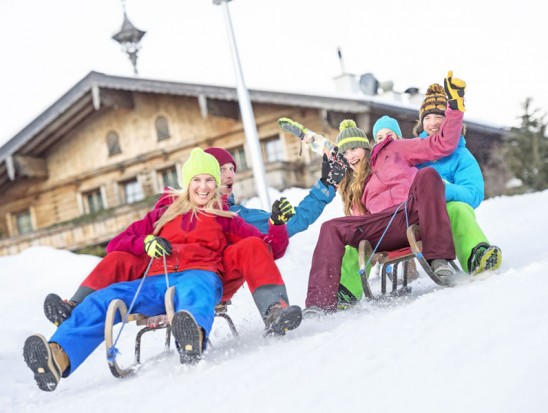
(479, 347)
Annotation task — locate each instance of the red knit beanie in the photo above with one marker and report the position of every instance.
(222, 155)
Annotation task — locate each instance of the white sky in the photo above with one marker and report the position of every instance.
(476, 348)
(46, 47)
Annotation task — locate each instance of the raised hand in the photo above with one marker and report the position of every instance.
(454, 88)
(334, 168)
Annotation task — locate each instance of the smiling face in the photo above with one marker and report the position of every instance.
(228, 176)
(432, 123)
(201, 189)
(354, 156)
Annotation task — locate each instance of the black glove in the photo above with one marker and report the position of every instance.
(282, 211)
(454, 88)
(334, 168)
(157, 246)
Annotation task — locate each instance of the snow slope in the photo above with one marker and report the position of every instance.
(478, 347)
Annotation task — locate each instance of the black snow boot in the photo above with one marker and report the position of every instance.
(189, 337)
(280, 319)
(273, 305)
(56, 309)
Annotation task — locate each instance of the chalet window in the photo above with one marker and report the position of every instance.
(93, 201)
(239, 156)
(168, 177)
(113, 143)
(162, 128)
(273, 150)
(133, 191)
(23, 222)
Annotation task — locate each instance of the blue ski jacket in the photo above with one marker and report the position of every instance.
(461, 174)
(306, 213)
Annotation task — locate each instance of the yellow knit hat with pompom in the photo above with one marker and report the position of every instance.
(199, 163)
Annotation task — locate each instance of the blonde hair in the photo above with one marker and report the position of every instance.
(352, 185)
(182, 204)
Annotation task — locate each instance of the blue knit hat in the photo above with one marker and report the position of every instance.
(200, 163)
(386, 122)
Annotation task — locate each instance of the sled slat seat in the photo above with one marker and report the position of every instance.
(389, 263)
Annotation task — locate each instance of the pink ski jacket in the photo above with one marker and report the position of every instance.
(393, 163)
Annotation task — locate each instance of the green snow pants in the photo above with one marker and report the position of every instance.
(466, 231)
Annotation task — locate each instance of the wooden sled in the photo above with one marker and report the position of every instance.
(390, 261)
(149, 323)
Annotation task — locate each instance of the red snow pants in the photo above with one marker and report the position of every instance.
(251, 261)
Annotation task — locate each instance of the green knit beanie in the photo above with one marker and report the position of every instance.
(350, 136)
(200, 163)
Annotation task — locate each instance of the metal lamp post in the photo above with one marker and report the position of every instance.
(248, 119)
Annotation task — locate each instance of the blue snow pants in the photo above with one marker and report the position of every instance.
(196, 291)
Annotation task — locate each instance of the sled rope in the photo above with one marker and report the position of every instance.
(112, 352)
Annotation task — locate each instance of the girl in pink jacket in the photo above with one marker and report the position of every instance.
(383, 186)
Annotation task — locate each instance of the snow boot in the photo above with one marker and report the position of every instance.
(281, 318)
(442, 268)
(345, 298)
(189, 337)
(47, 361)
(278, 316)
(56, 309)
(484, 257)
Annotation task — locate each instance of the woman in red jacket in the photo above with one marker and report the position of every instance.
(191, 235)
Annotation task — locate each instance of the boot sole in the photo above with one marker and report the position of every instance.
(187, 334)
(39, 358)
(290, 319)
(491, 260)
(55, 309)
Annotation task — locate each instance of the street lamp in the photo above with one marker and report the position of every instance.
(248, 119)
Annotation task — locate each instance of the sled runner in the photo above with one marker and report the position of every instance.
(117, 310)
(390, 260)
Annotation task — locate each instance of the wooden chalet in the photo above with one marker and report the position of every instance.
(98, 157)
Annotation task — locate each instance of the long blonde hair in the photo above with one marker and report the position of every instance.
(182, 204)
(352, 185)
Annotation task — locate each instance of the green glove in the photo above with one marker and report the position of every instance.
(454, 88)
(282, 211)
(157, 246)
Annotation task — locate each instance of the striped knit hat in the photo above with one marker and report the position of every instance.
(350, 136)
(435, 101)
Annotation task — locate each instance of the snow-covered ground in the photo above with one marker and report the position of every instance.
(479, 347)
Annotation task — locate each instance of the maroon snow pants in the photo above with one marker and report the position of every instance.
(425, 206)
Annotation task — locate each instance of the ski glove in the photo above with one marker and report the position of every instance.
(334, 168)
(282, 211)
(454, 88)
(157, 246)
